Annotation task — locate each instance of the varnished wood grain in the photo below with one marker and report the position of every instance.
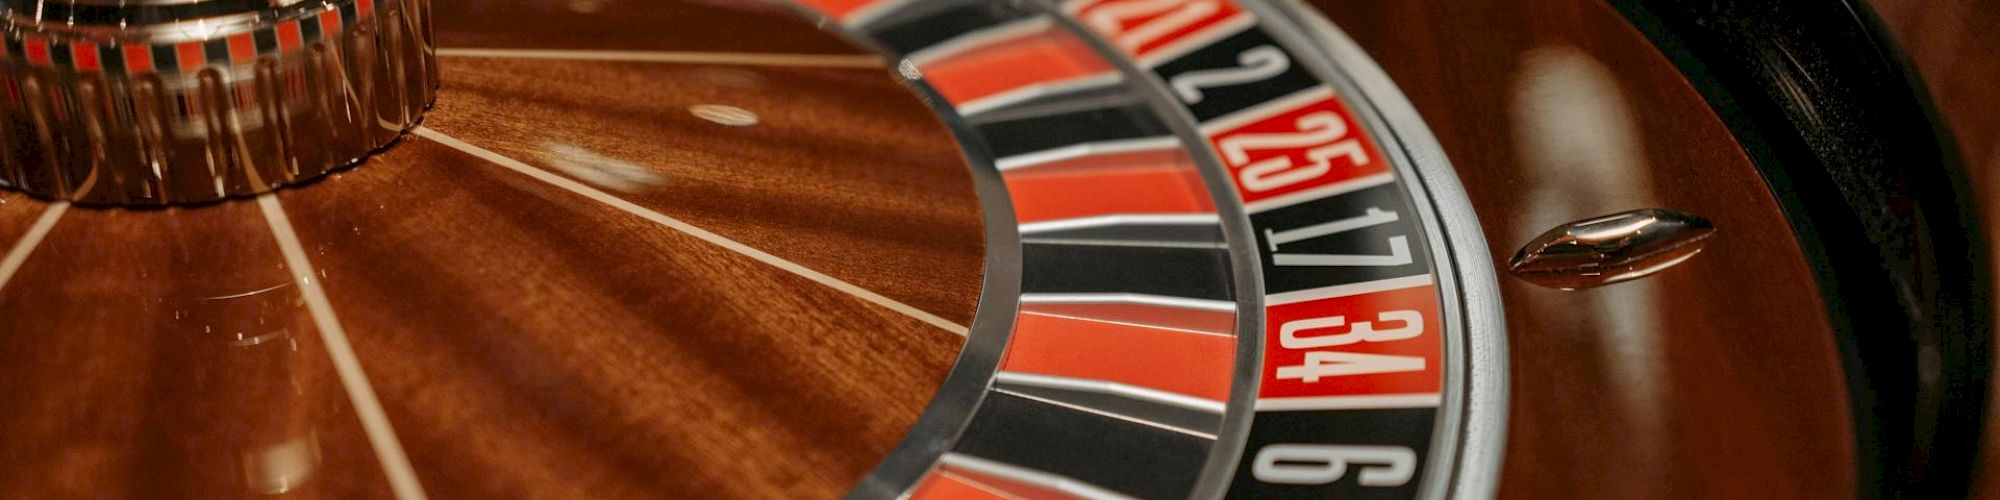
(1746, 376)
(530, 341)
(524, 340)
(164, 354)
(844, 171)
(17, 212)
(681, 26)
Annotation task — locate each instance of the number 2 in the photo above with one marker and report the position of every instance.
(1259, 63)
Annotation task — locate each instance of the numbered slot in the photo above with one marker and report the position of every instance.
(1335, 454)
(1303, 143)
(1364, 232)
(1241, 71)
(1372, 466)
(1384, 343)
(1149, 30)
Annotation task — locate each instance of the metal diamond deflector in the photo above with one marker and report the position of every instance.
(1610, 249)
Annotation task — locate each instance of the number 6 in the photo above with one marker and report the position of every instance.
(1326, 463)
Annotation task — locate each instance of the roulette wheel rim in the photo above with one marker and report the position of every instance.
(1476, 394)
(1473, 391)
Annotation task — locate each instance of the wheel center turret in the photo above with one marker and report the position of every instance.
(155, 102)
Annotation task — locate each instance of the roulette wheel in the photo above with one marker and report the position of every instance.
(980, 249)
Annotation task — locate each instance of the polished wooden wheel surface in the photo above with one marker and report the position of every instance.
(705, 248)
(525, 339)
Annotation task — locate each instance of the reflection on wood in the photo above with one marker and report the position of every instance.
(680, 26)
(1741, 385)
(839, 158)
(526, 339)
(164, 354)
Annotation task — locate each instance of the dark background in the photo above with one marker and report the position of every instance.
(1957, 49)
(1955, 45)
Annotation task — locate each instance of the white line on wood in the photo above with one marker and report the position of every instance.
(692, 230)
(381, 436)
(29, 241)
(720, 58)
